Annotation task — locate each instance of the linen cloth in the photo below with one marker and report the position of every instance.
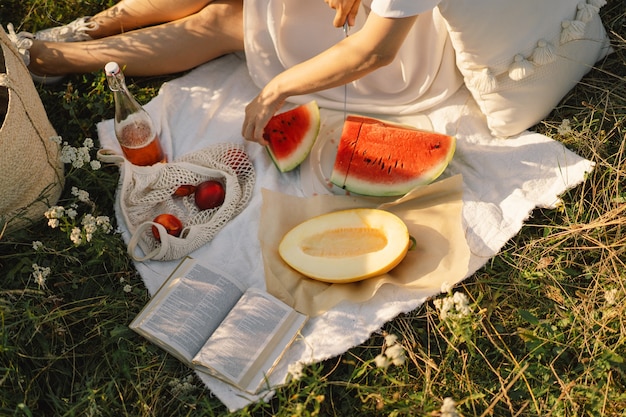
(503, 181)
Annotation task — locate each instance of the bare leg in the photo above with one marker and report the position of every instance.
(133, 14)
(217, 29)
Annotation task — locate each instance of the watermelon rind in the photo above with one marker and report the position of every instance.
(292, 161)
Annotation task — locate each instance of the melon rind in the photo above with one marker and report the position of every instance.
(341, 178)
(353, 260)
(296, 158)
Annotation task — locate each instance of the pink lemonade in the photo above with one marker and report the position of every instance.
(140, 144)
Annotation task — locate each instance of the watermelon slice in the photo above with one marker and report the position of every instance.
(291, 135)
(378, 158)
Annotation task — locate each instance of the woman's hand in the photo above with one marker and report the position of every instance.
(258, 113)
(346, 10)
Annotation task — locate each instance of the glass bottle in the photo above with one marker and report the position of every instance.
(134, 128)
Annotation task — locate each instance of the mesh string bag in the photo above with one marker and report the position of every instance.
(147, 191)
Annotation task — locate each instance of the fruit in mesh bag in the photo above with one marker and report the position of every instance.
(238, 160)
(185, 190)
(209, 194)
(171, 223)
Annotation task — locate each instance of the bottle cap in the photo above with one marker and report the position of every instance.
(112, 68)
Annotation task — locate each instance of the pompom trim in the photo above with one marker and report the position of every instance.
(545, 52)
(572, 30)
(586, 12)
(484, 81)
(520, 68)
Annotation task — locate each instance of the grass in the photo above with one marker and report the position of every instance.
(545, 333)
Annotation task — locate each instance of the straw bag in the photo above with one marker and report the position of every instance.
(31, 173)
(147, 191)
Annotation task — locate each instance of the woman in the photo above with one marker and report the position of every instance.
(392, 61)
(291, 48)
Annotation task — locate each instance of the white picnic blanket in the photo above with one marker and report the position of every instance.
(503, 181)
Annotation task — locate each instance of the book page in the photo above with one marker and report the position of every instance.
(187, 310)
(244, 338)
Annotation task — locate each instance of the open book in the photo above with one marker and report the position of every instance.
(210, 322)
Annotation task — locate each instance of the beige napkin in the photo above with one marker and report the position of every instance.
(432, 214)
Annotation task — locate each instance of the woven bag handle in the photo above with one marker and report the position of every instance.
(24, 89)
(158, 252)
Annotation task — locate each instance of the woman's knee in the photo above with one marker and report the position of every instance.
(226, 15)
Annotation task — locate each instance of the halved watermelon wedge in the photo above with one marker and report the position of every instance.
(291, 135)
(378, 158)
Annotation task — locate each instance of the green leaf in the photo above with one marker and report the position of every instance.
(528, 316)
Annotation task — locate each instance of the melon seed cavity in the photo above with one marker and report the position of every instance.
(344, 242)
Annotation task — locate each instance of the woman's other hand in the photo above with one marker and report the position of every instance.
(345, 10)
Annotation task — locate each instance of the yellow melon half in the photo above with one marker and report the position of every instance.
(347, 245)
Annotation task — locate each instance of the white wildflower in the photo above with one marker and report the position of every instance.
(448, 408)
(444, 305)
(461, 304)
(82, 157)
(446, 287)
(382, 361)
(37, 245)
(104, 222)
(88, 143)
(76, 236)
(95, 165)
(128, 288)
(395, 354)
(565, 128)
(40, 274)
(53, 214)
(82, 195)
(71, 213)
(182, 386)
(391, 339)
(56, 139)
(454, 305)
(296, 370)
(610, 297)
(90, 226)
(68, 154)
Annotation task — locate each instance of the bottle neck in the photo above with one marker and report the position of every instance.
(116, 82)
(125, 103)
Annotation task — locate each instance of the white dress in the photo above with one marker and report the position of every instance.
(282, 33)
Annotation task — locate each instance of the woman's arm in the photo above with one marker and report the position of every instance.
(372, 47)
